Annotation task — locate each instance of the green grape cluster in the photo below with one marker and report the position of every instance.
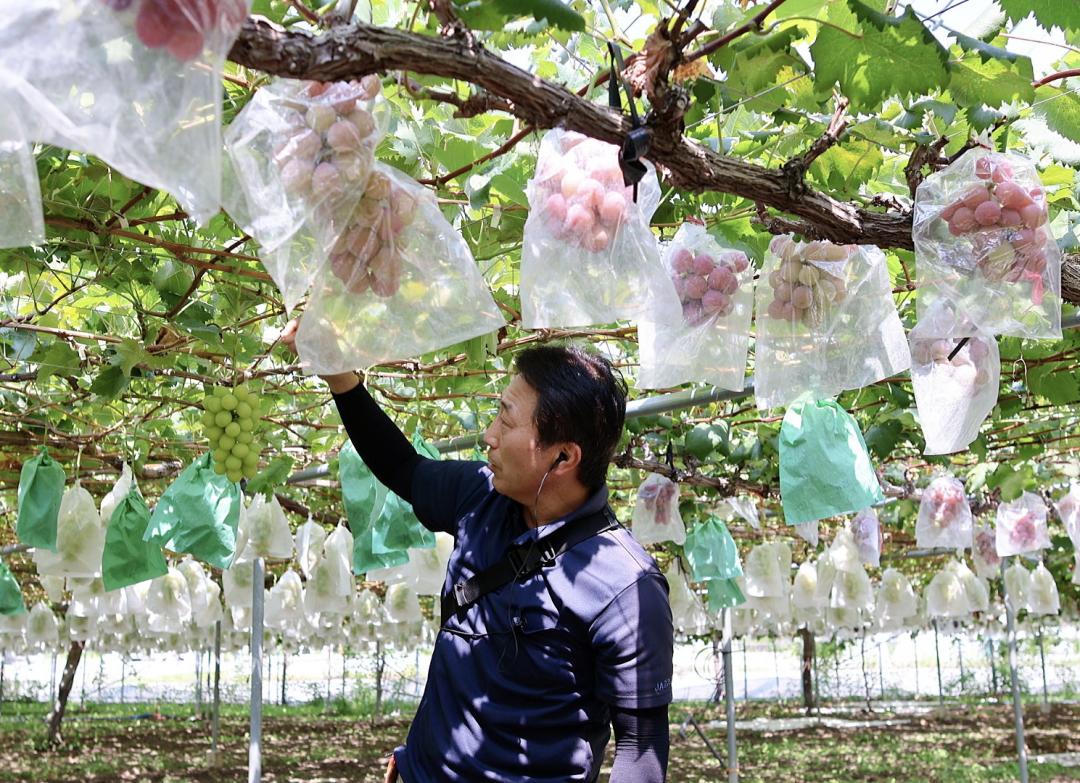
(229, 420)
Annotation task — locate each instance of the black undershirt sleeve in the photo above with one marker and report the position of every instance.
(641, 745)
(378, 441)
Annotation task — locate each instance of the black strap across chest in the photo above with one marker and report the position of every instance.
(523, 560)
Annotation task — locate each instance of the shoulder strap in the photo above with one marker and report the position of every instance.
(524, 560)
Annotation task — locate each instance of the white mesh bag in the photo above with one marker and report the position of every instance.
(766, 571)
(1042, 595)
(1021, 526)
(80, 538)
(944, 515)
(866, 529)
(656, 513)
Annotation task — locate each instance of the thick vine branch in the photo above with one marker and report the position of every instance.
(356, 50)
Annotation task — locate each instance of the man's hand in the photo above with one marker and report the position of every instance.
(339, 383)
(391, 771)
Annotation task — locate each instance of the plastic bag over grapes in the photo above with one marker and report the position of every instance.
(982, 242)
(955, 380)
(21, 219)
(300, 155)
(656, 512)
(589, 256)
(826, 321)
(709, 339)
(401, 282)
(135, 82)
(944, 515)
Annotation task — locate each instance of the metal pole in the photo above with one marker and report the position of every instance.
(1018, 710)
(215, 718)
(937, 655)
(123, 675)
(729, 701)
(776, 670)
(284, 664)
(1042, 660)
(817, 690)
(82, 688)
(255, 746)
(880, 673)
(745, 689)
(993, 666)
(1, 682)
(915, 644)
(960, 658)
(198, 685)
(52, 682)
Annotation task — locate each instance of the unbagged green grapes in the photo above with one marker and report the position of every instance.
(229, 422)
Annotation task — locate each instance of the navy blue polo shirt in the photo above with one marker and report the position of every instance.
(521, 683)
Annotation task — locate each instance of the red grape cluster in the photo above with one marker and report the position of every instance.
(581, 195)
(367, 255)
(968, 366)
(986, 545)
(706, 284)
(803, 290)
(947, 502)
(660, 498)
(181, 26)
(1006, 224)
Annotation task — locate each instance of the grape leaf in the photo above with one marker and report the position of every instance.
(844, 167)
(270, 477)
(110, 382)
(59, 359)
(492, 14)
(881, 439)
(986, 75)
(1057, 385)
(873, 56)
(1048, 13)
(1060, 110)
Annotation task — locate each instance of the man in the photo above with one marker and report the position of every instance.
(525, 681)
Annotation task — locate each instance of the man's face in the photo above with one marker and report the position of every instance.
(514, 453)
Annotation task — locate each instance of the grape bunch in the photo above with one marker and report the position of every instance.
(947, 502)
(229, 419)
(368, 254)
(581, 196)
(181, 26)
(986, 546)
(804, 284)
(967, 367)
(329, 148)
(661, 498)
(706, 284)
(1006, 224)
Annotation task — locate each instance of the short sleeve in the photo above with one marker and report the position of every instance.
(443, 490)
(634, 642)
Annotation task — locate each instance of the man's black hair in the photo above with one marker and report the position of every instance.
(582, 399)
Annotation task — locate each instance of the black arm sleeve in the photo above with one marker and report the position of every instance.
(378, 441)
(641, 745)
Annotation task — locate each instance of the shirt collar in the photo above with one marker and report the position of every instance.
(596, 502)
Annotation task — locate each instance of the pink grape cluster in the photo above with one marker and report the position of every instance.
(1006, 223)
(181, 26)
(330, 145)
(706, 284)
(967, 367)
(947, 501)
(367, 255)
(1024, 531)
(986, 545)
(581, 195)
(802, 290)
(659, 498)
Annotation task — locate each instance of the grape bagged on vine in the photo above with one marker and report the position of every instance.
(709, 339)
(944, 515)
(983, 244)
(656, 515)
(1020, 526)
(826, 321)
(588, 254)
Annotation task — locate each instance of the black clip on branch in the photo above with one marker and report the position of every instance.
(636, 144)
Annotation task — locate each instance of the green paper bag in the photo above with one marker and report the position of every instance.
(198, 515)
(711, 551)
(364, 499)
(824, 467)
(41, 487)
(11, 600)
(128, 559)
(723, 594)
(397, 529)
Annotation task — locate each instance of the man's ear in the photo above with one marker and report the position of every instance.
(569, 457)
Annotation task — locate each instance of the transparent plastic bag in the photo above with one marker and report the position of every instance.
(1043, 595)
(946, 595)
(406, 284)
(80, 538)
(808, 532)
(285, 604)
(203, 592)
(119, 491)
(1021, 526)
(1068, 509)
(687, 613)
(309, 541)
(1017, 586)
(266, 532)
(826, 322)
(826, 575)
(982, 243)
(709, 340)
(42, 627)
(954, 396)
(1076, 568)
(589, 256)
(843, 552)
(21, 219)
(976, 590)
(852, 590)
(401, 604)
(236, 581)
(168, 604)
(984, 552)
(330, 586)
(896, 598)
(656, 512)
(766, 570)
(138, 84)
(944, 515)
(866, 530)
(426, 570)
(300, 155)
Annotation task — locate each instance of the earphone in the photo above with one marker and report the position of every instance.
(561, 458)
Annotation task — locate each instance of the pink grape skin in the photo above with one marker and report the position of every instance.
(612, 208)
(1010, 218)
(696, 286)
(974, 196)
(782, 292)
(788, 311)
(597, 241)
(693, 313)
(978, 350)
(555, 209)
(714, 302)
(315, 89)
(703, 264)
(983, 168)
(802, 297)
(185, 45)
(776, 310)
(682, 261)
(987, 213)
(1033, 215)
(579, 220)
(152, 27)
(963, 220)
(720, 277)
(1003, 172)
(343, 136)
(1036, 262)
(296, 175)
(1012, 195)
(742, 263)
(326, 181)
(570, 182)
(950, 210)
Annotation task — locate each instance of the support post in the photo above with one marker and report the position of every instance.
(56, 715)
(776, 670)
(960, 659)
(284, 665)
(817, 683)
(745, 673)
(123, 675)
(729, 701)
(198, 684)
(937, 656)
(915, 657)
(1042, 660)
(865, 674)
(380, 666)
(215, 714)
(1, 683)
(1018, 710)
(993, 667)
(808, 655)
(255, 745)
(880, 673)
